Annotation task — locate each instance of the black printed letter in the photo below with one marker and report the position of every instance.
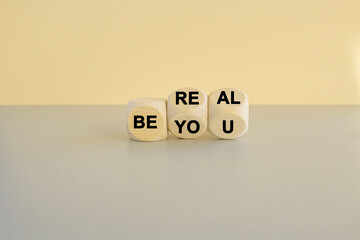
(149, 121)
(197, 126)
(180, 125)
(139, 119)
(180, 96)
(223, 97)
(231, 126)
(191, 97)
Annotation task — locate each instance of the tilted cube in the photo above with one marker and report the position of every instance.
(228, 113)
(187, 113)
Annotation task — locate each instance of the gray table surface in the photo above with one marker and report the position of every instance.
(72, 173)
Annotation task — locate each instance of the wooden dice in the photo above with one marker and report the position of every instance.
(147, 119)
(228, 113)
(187, 113)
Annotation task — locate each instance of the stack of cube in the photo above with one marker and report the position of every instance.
(189, 113)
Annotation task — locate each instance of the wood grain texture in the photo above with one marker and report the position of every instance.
(228, 113)
(187, 118)
(147, 119)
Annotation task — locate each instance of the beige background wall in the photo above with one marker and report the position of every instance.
(108, 51)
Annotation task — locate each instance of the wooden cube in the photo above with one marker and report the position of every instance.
(228, 113)
(187, 113)
(146, 119)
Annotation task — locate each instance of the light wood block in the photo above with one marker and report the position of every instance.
(187, 113)
(228, 113)
(146, 119)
